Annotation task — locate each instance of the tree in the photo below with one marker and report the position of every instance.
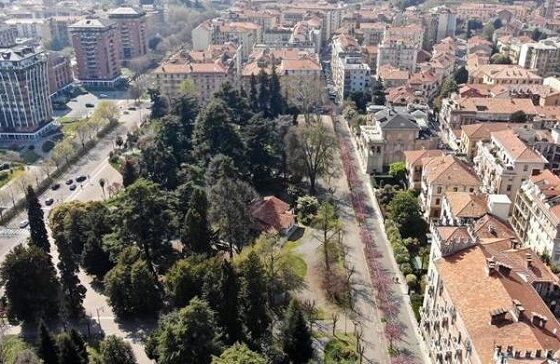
(107, 110)
(379, 93)
(214, 134)
(461, 75)
(195, 234)
(128, 172)
(83, 132)
(449, 86)
(229, 212)
(30, 284)
(114, 350)
(222, 295)
(518, 117)
(499, 58)
(131, 286)
(276, 100)
(63, 150)
(254, 305)
(239, 354)
(68, 353)
(404, 210)
(537, 35)
(497, 23)
(159, 164)
(397, 170)
(241, 111)
(264, 93)
(188, 87)
(159, 104)
(329, 225)
(310, 151)
(27, 356)
(80, 345)
(306, 96)
(253, 94)
(488, 31)
(360, 99)
(189, 336)
(186, 278)
(46, 345)
(144, 218)
(136, 90)
(37, 229)
(296, 335)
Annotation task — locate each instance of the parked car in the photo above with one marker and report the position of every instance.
(132, 108)
(70, 181)
(103, 96)
(23, 224)
(49, 201)
(90, 105)
(81, 178)
(55, 187)
(72, 187)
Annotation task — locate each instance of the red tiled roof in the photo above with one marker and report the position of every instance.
(272, 214)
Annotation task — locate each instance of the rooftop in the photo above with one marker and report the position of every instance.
(467, 204)
(515, 147)
(448, 170)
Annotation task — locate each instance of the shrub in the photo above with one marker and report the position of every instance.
(406, 268)
(47, 146)
(411, 280)
(306, 207)
(402, 257)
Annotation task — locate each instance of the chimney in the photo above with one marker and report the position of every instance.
(497, 316)
(504, 269)
(538, 320)
(490, 265)
(515, 243)
(518, 310)
(529, 259)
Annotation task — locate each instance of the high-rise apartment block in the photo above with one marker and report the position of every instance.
(132, 27)
(349, 71)
(97, 46)
(25, 106)
(544, 57)
(440, 22)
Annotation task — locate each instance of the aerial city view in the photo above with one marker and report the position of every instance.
(279, 181)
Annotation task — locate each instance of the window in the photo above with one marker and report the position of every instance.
(438, 190)
(508, 188)
(525, 168)
(437, 201)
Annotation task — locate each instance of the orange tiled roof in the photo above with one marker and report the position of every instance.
(515, 147)
(482, 130)
(415, 157)
(467, 204)
(273, 214)
(448, 170)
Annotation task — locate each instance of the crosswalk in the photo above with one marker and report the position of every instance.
(7, 232)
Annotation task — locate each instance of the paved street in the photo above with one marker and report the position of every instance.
(373, 328)
(94, 164)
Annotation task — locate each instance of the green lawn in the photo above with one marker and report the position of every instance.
(29, 156)
(341, 350)
(294, 259)
(6, 176)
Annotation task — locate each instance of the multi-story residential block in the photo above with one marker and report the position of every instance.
(25, 105)
(387, 135)
(392, 77)
(132, 28)
(349, 71)
(461, 208)
(511, 46)
(440, 22)
(372, 33)
(485, 298)
(478, 44)
(505, 162)
(34, 28)
(330, 14)
(499, 74)
(457, 111)
(414, 161)
(59, 71)
(8, 35)
(202, 36)
(441, 175)
(97, 45)
(59, 37)
(474, 133)
(543, 57)
(411, 35)
(536, 214)
(398, 54)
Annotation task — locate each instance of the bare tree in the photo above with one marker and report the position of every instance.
(107, 110)
(307, 94)
(335, 318)
(83, 133)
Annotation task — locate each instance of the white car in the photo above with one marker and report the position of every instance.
(23, 224)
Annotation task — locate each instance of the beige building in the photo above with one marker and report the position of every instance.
(460, 208)
(350, 72)
(505, 163)
(414, 161)
(544, 56)
(443, 174)
(536, 214)
(500, 74)
(485, 299)
(474, 133)
(388, 134)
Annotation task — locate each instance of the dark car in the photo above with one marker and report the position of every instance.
(81, 178)
(132, 108)
(49, 201)
(72, 187)
(70, 181)
(90, 105)
(55, 187)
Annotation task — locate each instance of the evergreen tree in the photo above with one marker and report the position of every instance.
(37, 229)
(276, 99)
(264, 94)
(253, 299)
(73, 292)
(195, 234)
(114, 350)
(222, 295)
(296, 335)
(158, 164)
(254, 94)
(95, 260)
(67, 353)
(129, 174)
(80, 345)
(238, 104)
(46, 345)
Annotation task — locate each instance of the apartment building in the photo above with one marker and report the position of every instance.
(59, 37)
(414, 161)
(499, 74)
(439, 22)
(505, 162)
(132, 27)
(97, 45)
(441, 175)
(372, 33)
(457, 111)
(485, 298)
(397, 54)
(34, 28)
(461, 208)
(8, 35)
(59, 71)
(349, 71)
(543, 57)
(388, 134)
(25, 106)
(536, 214)
(474, 133)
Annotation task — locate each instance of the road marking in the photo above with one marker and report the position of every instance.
(96, 172)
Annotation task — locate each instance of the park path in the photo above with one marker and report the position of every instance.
(390, 300)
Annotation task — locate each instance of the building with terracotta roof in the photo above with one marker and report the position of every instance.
(505, 162)
(460, 208)
(387, 135)
(397, 53)
(473, 133)
(478, 44)
(350, 73)
(499, 74)
(440, 175)
(543, 57)
(273, 215)
(536, 214)
(414, 161)
(133, 32)
(392, 76)
(372, 33)
(486, 300)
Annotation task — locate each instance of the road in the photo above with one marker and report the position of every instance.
(94, 164)
(411, 343)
